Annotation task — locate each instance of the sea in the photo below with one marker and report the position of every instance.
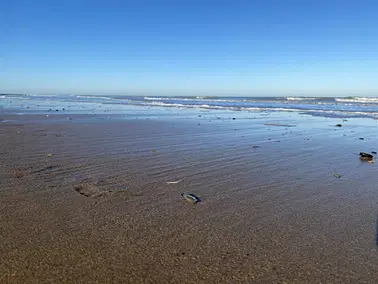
(343, 107)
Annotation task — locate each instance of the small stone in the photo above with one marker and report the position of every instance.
(339, 125)
(190, 197)
(366, 155)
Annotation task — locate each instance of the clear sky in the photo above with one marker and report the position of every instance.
(266, 47)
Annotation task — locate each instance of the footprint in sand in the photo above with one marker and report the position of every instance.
(90, 190)
(97, 189)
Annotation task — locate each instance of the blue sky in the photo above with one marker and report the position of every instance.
(266, 47)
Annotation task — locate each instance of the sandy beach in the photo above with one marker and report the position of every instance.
(86, 200)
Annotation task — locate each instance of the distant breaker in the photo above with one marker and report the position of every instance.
(357, 100)
(300, 99)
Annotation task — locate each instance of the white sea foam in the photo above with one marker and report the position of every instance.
(300, 99)
(357, 100)
(93, 97)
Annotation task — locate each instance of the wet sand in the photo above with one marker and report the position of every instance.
(99, 209)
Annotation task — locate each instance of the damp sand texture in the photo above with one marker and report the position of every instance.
(99, 209)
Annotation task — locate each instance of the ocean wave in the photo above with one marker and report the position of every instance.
(357, 100)
(187, 105)
(349, 113)
(93, 97)
(300, 99)
(196, 99)
(153, 98)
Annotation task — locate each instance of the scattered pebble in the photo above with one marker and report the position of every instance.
(190, 197)
(373, 152)
(366, 155)
(339, 125)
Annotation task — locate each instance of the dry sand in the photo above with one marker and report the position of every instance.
(99, 209)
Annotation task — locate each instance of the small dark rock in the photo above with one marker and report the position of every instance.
(366, 156)
(361, 138)
(339, 125)
(233, 118)
(374, 152)
(57, 110)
